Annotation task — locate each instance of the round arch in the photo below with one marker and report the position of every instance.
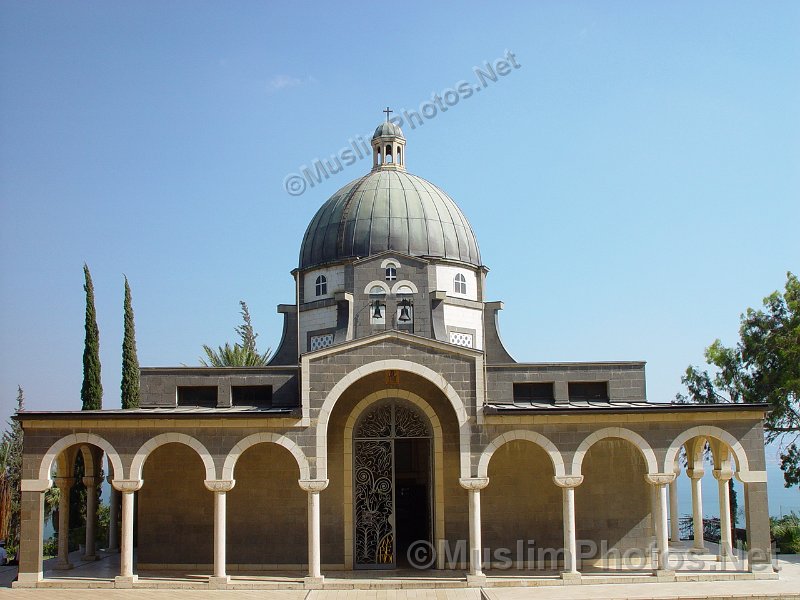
(404, 283)
(709, 431)
(261, 438)
(375, 367)
(167, 438)
(530, 436)
(376, 283)
(77, 439)
(615, 432)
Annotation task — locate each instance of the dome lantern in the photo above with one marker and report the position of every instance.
(388, 146)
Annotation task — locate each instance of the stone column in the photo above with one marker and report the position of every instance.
(759, 549)
(568, 485)
(220, 488)
(31, 525)
(313, 487)
(113, 522)
(128, 487)
(723, 477)
(660, 481)
(91, 517)
(674, 515)
(474, 485)
(64, 485)
(696, 476)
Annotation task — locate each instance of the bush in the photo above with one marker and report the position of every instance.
(786, 533)
(50, 547)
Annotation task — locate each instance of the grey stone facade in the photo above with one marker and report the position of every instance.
(548, 465)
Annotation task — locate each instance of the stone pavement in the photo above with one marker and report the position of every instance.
(788, 586)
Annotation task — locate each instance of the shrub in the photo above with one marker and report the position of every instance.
(50, 547)
(786, 532)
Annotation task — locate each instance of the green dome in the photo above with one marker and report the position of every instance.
(388, 210)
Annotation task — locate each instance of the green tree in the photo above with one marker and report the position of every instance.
(92, 388)
(11, 476)
(242, 354)
(130, 361)
(764, 366)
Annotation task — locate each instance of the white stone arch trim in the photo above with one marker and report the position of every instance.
(261, 438)
(438, 466)
(88, 460)
(711, 432)
(520, 434)
(615, 432)
(376, 283)
(407, 283)
(398, 365)
(168, 438)
(390, 262)
(75, 439)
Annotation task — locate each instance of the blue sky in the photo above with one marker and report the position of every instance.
(634, 185)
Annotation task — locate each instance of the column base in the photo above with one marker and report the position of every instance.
(664, 575)
(89, 557)
(313, 583)
(125, 581)
(27, 580)
(761, 567)
(477, 580)
(63, 566)
(696, 550)
(725, 557)
(218, 583)
(571, 576)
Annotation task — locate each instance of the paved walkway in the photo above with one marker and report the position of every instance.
(788, 586)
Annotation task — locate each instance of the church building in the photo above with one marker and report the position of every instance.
(392, 431)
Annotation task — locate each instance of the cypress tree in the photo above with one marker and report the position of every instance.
(130, 362)
(12, 441)
(92, 388)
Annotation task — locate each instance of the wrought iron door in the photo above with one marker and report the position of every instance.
(375, 543)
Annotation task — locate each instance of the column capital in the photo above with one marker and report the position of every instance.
(313, 485)
(64, 483)
(676, 469)
(695, 473)
(127, 485)
(659, 478)
(722, 474)
(220, 485)
(35, 485)
(568, 481)
(474, 483)
(90, 481)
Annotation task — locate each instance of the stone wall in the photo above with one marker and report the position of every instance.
(626, 381)
(175, 512)
(267, 521)
(521, 502)
(613, 504)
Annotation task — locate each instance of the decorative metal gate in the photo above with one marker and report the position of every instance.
(373, 480)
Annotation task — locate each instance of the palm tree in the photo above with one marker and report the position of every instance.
(243, 354)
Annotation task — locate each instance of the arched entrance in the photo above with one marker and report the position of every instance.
(392, 491)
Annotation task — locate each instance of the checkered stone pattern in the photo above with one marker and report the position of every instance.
(461, 339)
(318, 342)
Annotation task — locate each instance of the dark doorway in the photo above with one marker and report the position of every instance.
(412, 495)
(391, 485)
